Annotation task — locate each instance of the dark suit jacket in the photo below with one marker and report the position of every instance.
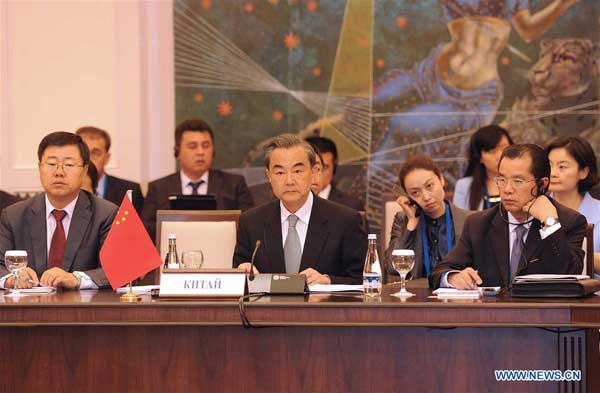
(335, 244)
(116, 188)
(484, 246)
(338, 196)
(23, 227)
(7, 199)
(230, 189)
(402, 239)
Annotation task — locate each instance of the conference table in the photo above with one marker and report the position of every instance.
(80, 341)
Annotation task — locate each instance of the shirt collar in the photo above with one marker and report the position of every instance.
(515, 222)
(69, 208)
(303, 213)
(185, 181)
(325, 192)
(101, 189)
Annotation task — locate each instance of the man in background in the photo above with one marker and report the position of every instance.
(195, 151)
(324, 186)
(109, 187)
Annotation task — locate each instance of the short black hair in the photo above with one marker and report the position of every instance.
(93, 174)
(198, 125)
(540, 165)
(583, 153)
(95, 132)
(63, 138)
(324, 145)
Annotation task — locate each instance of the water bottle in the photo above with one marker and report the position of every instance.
(372, 269)
(172, 259)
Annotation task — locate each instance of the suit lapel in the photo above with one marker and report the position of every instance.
(36, 222)
(273, 240)
(81, 220)
(215, 185)
(316, 236)
(498, 242)
(111, 192)
(174, 185)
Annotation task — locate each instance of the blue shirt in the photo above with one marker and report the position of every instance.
(590, 208)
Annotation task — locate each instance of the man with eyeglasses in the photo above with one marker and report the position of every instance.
(527, 233)
(300, 232)
(63, 228)
(324, 186)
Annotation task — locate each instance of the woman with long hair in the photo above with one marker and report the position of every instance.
(574, 171)
(477, 190)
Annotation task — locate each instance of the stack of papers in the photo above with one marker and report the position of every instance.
(457, 293)
(335, 288)
(38, 290)
(549, 277)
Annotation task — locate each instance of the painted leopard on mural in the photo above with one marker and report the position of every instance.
(564, 93)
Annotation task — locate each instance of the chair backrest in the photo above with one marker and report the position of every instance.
(389, 212)
(212, 231)
(588, 251)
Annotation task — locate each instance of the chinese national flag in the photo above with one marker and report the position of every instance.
(127, 253)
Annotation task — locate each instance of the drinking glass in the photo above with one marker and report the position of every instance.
(192, 259)
(403, 261)
(15, 261)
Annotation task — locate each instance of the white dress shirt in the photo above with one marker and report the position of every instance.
(186, 189)
(303, 215)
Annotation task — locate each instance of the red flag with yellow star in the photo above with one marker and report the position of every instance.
(127, 253)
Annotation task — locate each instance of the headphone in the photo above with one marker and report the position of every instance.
(540, 190)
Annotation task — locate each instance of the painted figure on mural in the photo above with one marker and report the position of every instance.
(459, 80)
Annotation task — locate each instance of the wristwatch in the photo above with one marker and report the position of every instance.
(550, 221)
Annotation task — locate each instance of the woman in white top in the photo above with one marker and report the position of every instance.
(477, 190)
(574, 172)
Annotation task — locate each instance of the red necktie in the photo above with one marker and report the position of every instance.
(59, 240)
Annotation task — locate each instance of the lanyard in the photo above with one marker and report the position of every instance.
(427, 259)
(486, 200)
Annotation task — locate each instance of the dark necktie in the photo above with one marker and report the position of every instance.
(59, 240)
(195, 186)
(517, 250)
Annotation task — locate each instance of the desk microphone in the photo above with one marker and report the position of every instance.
(251, 275)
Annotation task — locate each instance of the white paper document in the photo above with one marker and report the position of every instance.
(457, 293)
(335, 288)
(139, 290)
(37, 290)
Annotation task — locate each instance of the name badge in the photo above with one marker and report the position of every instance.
(206, 283)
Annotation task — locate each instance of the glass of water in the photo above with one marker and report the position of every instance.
(15, 261)
(403, 261)
(192, 259)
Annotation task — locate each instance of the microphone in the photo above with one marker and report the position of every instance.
(251, 275)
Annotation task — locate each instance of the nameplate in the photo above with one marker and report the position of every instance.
(205, 283)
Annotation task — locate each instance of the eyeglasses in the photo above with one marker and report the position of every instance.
(501, 182)
(52, 166)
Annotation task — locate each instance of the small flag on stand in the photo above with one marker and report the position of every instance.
(128, 253)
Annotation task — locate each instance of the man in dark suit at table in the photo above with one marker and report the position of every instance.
(300, 232)
(63, 228)
(324, 185)
(527, 233)
(109, 187)
(195, 151)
